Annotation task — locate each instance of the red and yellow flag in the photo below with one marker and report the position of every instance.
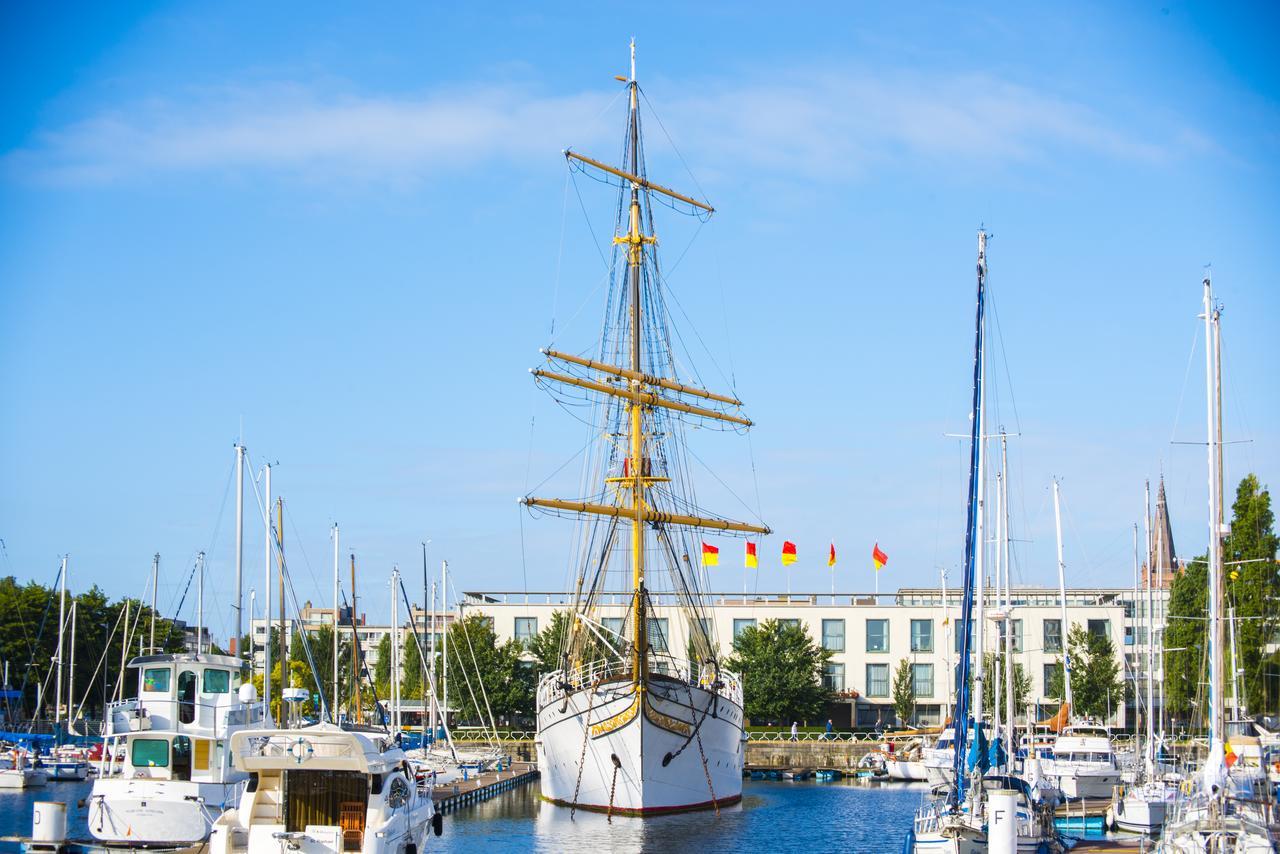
(831, 556)
(710, 555)
(788, 553)
(750, 561)
(878, 557)
(1230, 758)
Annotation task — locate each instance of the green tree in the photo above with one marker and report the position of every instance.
(1021, 683)
(904, 692)
(782, 670)
(546, 645)
(1096, 685)
(382, 667)
(480, 668)
(411, 667)
(1250, 583)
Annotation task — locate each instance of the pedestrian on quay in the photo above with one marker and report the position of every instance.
(795, 731)
(829, 728)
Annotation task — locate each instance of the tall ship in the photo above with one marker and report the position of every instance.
(624, 726)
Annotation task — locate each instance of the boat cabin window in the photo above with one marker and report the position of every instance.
(155, 680)
(217, 681)
(186, 696)
(181, 758)
(150, 752)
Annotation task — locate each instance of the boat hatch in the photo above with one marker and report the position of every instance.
(327, 799)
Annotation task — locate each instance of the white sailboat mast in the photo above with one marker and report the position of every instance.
(1150, 753)
(1009, 671)
(155, 581)
(333, 713)
(980, 540)
(199, 600)
(395, 649)
(1062, 598)
(444, 642)
(240, 550)
(266, 588)
(946, 643)
(431, 659)
(1215, 560)
(71, 673)
(62, 608)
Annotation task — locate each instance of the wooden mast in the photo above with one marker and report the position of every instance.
(635, 258)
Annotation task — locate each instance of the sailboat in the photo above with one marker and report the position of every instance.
(623, 727)
(178, 773)
(957, 817)
(1084, 761)
(1143, 806)
(1221, 810)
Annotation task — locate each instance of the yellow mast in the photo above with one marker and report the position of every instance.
(635, 258)
(640, 393)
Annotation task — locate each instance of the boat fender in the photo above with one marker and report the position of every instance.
(617, 763)
(437, 824)
(666, 760)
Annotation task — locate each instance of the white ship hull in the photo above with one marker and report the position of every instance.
(1140, 813)
(1077, 783)
(906, 771)
(139, 811)
(613, 748)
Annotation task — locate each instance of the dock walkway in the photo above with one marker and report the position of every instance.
(452, 797)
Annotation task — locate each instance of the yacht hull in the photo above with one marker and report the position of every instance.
(147, 812)
(615, 748)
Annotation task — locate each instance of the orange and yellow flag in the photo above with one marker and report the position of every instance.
(878, 557)
(831, 557)
(788, 553)
(710, 555)
(749, 560)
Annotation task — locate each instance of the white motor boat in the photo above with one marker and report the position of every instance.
(66, 769)
(905, 770)
(1144, 808)
(1084, 764)
(177, 773)
(324, 789)
(22, 775)
(940, 760)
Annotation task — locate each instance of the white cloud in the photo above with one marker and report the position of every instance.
(823, 123)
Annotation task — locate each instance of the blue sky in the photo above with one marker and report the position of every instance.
(351, 231)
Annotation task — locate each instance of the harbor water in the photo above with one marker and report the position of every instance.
(783, 815)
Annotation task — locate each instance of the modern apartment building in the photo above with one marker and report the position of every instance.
(868, 635)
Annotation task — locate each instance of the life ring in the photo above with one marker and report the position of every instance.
(301, 750)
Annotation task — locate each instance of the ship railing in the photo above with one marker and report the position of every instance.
(297, 746)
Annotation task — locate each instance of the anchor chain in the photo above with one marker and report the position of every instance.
(613, 787)
(707, 771)
(582, 757)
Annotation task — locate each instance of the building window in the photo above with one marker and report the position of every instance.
(878, 679)
(833, 636)
(959, 636)
(833, 677)
(658, 637)
(1100, 628)
(741, 625)
(922, 680)
(922, 635)
(878, 636)
(1053, 635)
(526, 628)
(793, 623)
(614, 626)
(1017, 635)
(1051, 672)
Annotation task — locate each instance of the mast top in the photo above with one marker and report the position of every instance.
(633, 60)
